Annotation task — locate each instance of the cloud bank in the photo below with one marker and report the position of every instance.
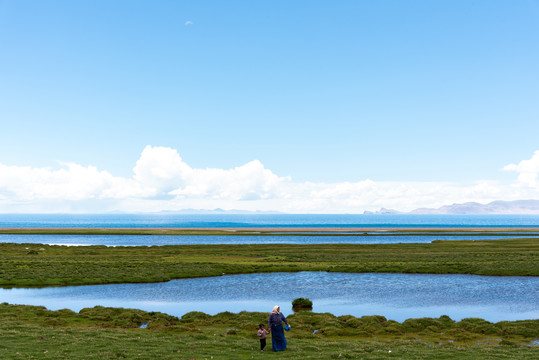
(527, 171)
(162, 180)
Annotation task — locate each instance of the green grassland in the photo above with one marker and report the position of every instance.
(45, 265)
(30, 332)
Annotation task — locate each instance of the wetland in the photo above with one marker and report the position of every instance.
(363, 295)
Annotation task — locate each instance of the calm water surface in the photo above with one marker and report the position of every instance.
(158, 240)
(264, 220)
(395, 296)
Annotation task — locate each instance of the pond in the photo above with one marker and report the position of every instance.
(159, 240)
(395, 296)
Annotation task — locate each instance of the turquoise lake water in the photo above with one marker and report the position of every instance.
(395, 296)
(265, 220)
(159, 240)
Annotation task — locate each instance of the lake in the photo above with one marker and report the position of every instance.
(264, 220)
(159, 240)
(395, 296)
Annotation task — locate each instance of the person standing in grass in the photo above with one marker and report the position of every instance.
(275, 326)
(262, 333)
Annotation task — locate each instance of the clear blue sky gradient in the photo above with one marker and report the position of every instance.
(317, 90)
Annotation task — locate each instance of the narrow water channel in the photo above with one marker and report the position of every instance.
(159, 240)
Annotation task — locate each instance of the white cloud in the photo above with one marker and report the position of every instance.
(527, 170)
(163, 181)
(249, 181)
(188, 22)
(70, 182)
(160, 170)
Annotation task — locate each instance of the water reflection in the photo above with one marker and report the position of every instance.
(396, 296)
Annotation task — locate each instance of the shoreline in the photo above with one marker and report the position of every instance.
(202, 314)
(262, 230)
(44, 265)
(131, 333)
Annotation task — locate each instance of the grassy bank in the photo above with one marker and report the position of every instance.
(30, 332)
(40, 265)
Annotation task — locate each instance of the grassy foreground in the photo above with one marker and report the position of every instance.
(42, 265)
(30, 332)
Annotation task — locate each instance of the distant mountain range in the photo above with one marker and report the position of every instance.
(216, 211)
(495, 207)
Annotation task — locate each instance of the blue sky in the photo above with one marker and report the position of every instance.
(316, 92)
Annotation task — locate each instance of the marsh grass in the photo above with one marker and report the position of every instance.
(31, 332)
(302, 304)
(80, 265)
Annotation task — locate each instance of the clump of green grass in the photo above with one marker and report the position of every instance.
(430, 324)
(302, 304)
(479, 326)
(195, 316)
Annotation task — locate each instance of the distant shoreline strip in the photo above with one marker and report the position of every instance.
(262, 230)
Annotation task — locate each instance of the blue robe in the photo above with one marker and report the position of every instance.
(275, 323)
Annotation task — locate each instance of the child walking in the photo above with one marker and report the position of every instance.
(262, 333)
